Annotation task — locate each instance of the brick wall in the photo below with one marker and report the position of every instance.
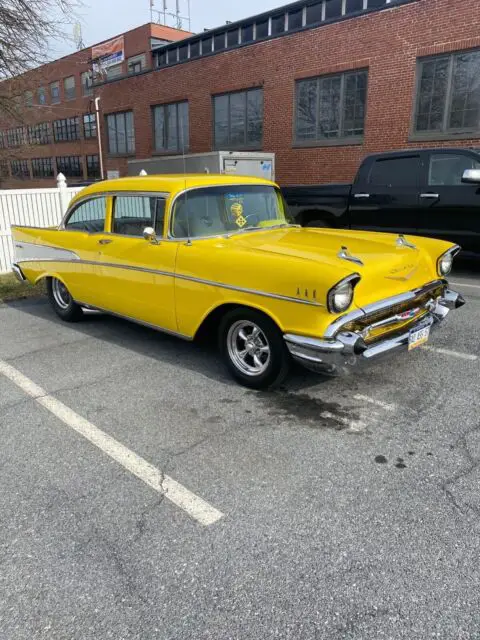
(387, 42)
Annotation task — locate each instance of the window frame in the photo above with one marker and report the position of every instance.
(140, 194)
(238, 147)
(90, 126)
(69, 127)
(445, 133)
(69, 94)
(166, 150)
(87, 87)
(25, 163)
(88, 164)
(70, 158)
(56, 85)
(341, 140)
(77, 205)
(41, 162)
(116, 114)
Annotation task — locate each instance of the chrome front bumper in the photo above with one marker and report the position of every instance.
(339, 353)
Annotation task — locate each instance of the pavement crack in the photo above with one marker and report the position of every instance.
(473, 464)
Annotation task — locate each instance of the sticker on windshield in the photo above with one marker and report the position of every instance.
(236, 210)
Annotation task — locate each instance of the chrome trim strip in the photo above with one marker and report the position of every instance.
(18, 273)
(381, 304)
(179, 276)
(344, 254)
(403, 242)
(149, 325)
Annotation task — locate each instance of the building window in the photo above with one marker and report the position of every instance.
(93, 166)
(136, 64)
(16, 137)
(3, 140)
(87, 83)
(70, 166)
(69, 88)
(314, 13)
(352, 6)
(39, 134)
(55, 92)
(278, 24)
(183, 52)
(207, 44)
(121, 133)
(333, 9)
(195, 49)
(247, 33)
(42, 168)
(232, 38)
(219, 41)
(331, 107)
(161, 58)
(4, 173)
(295, 19)
(448, 94)
(20, 169)
(66, 129)
(41, 95)
(170, 123)
(29, 98)
(90, 125)
(238, 119)
(114, 71)
(262, 29)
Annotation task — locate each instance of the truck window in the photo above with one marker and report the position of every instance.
(447, 169)
(395, 172)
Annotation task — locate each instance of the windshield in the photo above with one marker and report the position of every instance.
(221, 210)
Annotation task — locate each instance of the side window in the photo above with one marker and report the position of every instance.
(131, 214)
(447, 169)
(88, 216)
(396, 172)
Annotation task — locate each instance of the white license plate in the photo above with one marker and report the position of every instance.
(418, 337)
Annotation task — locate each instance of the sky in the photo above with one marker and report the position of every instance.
(102, 19)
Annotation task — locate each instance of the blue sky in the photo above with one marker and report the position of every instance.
(102, 19)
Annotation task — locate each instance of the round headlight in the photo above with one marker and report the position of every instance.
(445, 264)
(341, 297)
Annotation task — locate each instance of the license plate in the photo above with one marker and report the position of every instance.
(418, 337)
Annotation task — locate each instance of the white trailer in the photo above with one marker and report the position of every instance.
(239, 163)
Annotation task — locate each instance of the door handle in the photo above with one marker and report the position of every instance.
(432, 196)
(105, 241)
(361, 195)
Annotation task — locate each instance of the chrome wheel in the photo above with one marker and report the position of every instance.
(248, 348)
(60, 294)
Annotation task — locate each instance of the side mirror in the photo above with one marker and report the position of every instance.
(150, 235)
(471, 176)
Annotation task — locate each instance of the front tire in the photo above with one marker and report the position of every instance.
(253, 349)
(62, 302)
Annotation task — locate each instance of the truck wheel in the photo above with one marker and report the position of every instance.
(317, 223)
(62, 302)
(253, 349)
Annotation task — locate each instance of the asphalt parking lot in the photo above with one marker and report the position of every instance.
(145, 495)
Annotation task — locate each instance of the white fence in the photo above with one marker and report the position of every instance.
(30, 207)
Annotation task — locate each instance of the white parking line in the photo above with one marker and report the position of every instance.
(377, 403)
(196, 507)
(464, 284)
(455, 354)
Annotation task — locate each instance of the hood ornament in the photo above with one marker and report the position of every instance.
(403, 242)
(344, 254)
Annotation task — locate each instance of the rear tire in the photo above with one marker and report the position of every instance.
(253, 349)
(62, 302)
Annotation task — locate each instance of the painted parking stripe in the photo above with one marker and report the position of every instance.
(196, 507)
(378, 403)
(454, 354)
(464, 284)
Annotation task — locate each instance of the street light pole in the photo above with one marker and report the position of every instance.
(99, 136)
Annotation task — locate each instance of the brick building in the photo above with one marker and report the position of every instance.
(319, 82)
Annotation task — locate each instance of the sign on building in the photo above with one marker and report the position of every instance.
(108, 54)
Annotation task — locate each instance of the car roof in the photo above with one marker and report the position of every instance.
(169, 183)
(413, 150)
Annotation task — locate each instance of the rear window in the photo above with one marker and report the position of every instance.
(395, 172)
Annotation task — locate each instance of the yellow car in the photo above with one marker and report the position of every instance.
(194, 253)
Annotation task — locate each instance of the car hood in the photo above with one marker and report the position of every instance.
(386, 270)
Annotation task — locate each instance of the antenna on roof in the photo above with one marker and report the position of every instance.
(77, 36)
(177, 15)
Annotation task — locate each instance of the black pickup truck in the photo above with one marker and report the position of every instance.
(428, 192)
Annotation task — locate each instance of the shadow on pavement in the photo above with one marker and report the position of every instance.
(198, 356)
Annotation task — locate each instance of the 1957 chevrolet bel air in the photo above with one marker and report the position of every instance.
(185, 254)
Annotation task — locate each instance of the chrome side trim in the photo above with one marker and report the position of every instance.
(381, 304)
(149, 325)
(179, 276)
(32, 252)
(18, 273)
